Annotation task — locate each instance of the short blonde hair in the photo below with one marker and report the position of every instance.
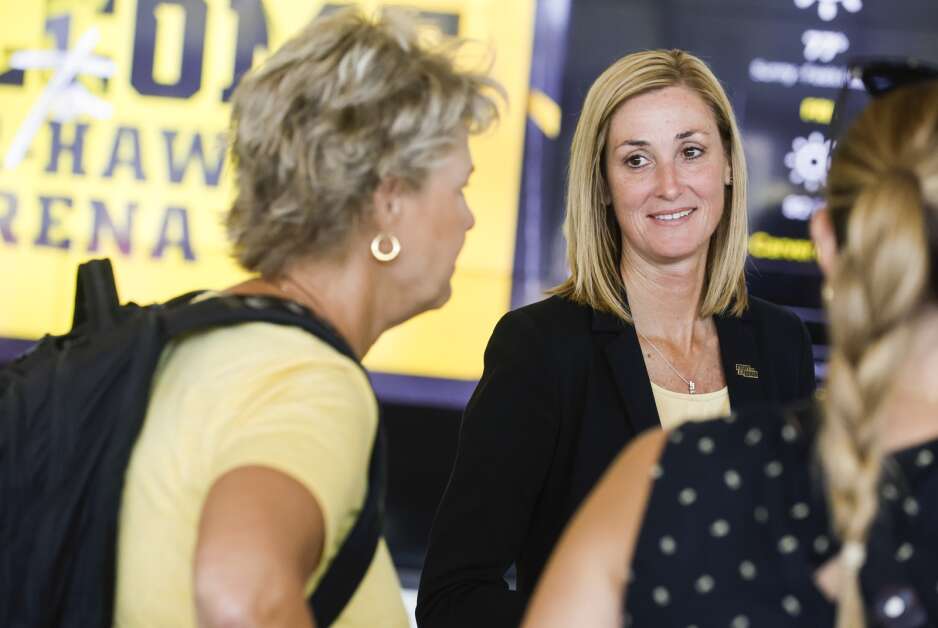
(342, 106)
(592, 232)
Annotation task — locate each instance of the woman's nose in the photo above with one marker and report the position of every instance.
(668, 184)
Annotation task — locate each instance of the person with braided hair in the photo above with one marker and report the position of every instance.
(820, 514)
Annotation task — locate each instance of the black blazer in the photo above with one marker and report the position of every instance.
(563, 389)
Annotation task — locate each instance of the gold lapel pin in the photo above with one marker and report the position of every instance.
(746, 370)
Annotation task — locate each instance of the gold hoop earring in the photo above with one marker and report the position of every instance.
(380, 255)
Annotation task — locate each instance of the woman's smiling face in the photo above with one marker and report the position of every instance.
(666, 169)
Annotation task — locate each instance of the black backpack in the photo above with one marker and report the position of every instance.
(70, 412)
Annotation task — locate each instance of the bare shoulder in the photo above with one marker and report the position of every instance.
(585, 580)
(622, 495)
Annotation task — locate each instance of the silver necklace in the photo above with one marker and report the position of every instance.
(691, 386)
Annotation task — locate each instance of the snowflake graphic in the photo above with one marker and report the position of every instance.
(63, 99)
(827, 9)
(808, 161)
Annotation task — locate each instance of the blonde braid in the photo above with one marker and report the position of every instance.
(880, 283)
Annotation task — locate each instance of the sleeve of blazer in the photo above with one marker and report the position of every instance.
(806, 381)
(506, 441)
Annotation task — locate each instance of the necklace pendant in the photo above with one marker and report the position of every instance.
(691, 387)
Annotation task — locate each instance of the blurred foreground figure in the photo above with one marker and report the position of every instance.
(351, 155)
(807, 516)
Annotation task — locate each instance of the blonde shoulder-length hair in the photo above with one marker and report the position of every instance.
(593, 238)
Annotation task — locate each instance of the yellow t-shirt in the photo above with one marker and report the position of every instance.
(251, 394)
(675, 408)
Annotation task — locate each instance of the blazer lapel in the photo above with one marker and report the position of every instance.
(603, 430)
(747, 373)
(624, 356)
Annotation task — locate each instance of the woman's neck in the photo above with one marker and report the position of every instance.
(665, 300)
(339, 292)
(911, 410)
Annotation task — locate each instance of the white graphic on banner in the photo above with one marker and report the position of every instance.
(807, 74)
(824, 45)
(63, 99)
(800, 206)
(808, 161)
(827, 9)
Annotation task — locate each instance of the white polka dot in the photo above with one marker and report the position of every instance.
(924, 458)
(704, 584)
(800, 510)
(705, 445)
(676, 436)
(668, 545)
(821, 544)
(773, 469)
(687, 497)
(904, 552)
(730, 418)
(787, 544)
(747, 570)
(732, 479)
(761, 513)
(661, 596)
(740, 621)
(656, 472)
(894, 607)
(255, 302)
(890, 492)
(719, 528)
(627, 621)
(791, 605)
(910, 506)
(296, 308)
(789, 433)
(753, 436)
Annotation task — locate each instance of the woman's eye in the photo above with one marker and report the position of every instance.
(636, 161)
(693, 152)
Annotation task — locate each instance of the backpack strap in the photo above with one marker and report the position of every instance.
(352, 560)
(96, 301)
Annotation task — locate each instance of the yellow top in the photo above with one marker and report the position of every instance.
(251, 394)
(675, 408)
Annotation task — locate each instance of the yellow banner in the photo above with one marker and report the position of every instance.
(112, 133)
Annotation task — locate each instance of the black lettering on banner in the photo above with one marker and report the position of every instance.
(50, 221)
(7, 215)
(58, 26)
(102, 220)
(75, 148)
(252, 34)
(132, 136)
(194, 152)
(180, 217)
(193, 49)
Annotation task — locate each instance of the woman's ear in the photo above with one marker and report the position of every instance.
(386, 201)
(825, 242)
(604, 195)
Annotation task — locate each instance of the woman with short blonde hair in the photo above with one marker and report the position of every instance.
(350, 148)
(653, 327)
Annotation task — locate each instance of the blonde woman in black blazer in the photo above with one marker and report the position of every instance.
(655, 315)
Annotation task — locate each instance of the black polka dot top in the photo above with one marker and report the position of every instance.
(737, 523)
